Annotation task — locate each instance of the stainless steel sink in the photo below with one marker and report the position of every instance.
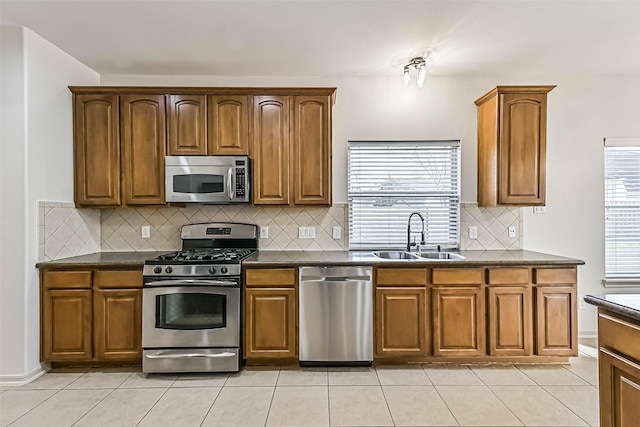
(410, 256)
(395, 255)
(440, 255)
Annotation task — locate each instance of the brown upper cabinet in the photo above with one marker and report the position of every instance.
(119, 148)
(228, 124)
(291, 149)
(187, 122)
(200, 125)
(96, 150)
(512, 122)
(142, 129)
(121, 135)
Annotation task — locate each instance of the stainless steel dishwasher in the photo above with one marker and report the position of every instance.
(336, 316)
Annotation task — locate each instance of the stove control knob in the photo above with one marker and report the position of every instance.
(157, 270)
(223, 270)
(168, 270)
(212, 270)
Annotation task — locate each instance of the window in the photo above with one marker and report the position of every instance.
(390, 180)
(622, 209)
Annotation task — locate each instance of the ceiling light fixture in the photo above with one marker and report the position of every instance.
(417, 67)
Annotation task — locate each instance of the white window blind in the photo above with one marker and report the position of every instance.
(390, 180)
(622, 208)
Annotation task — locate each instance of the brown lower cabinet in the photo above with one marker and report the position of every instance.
(401, 313)
(270, 314)
(619, 369)
(91, 315)
(458, 312)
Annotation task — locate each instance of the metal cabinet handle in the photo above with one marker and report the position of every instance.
(159, 355)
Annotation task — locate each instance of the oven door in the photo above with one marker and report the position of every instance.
(188, 315)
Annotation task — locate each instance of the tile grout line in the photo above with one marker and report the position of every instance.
(94, 406)
(213, 403)
(569, 409)
(384, 396)
(273, 393)
(154, 405)
(440, 396)
(506, 406)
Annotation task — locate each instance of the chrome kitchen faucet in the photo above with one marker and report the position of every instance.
(422, 241)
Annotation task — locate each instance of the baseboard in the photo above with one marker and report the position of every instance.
(16, 380)
(587, 334)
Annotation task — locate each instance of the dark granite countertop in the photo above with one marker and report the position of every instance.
(624, 304)
(473, 258)
(281, 258)
(102, 259)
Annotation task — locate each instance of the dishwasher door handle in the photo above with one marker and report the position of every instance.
(334, 278)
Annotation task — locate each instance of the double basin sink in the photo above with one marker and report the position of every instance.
(414, 256)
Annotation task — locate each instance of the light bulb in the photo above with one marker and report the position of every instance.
(422, 75)
(406, 77)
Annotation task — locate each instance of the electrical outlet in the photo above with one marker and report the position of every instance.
(337, 233)
(264, 232)
(306, 232)
(473, 232)
(145, 231)
(512, 231)
(539, 209)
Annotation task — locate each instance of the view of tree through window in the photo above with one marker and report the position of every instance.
(622, 208)
(390, 180)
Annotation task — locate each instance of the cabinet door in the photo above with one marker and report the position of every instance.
(187, 125)
(458, 321)
(228, 124)
(401, 322)
(96, 150)
(270, 148)
(142, 128)
(311, 151)
(270, 323)
(118, 324)
(556, 321)
(522, 149)
(510, 331)
(66, 325)
(619, 390)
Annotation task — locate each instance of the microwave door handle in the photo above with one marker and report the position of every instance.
(231, 185)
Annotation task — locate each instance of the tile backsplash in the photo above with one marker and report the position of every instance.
(66, 231)
(492, 224)
(121, 227)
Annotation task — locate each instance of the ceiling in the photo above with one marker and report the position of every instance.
(334, 38)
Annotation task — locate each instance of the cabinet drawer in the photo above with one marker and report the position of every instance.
(401, 277)
(618, 335)
(118, 279)
(270, 277)
(67, 279)
(544, 276)
(508, 276)
(457, 276)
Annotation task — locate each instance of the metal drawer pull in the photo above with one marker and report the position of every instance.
(188, 355)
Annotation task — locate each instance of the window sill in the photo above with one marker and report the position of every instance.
(627, 282)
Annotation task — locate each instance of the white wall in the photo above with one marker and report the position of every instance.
(37, 164)
(581, 112)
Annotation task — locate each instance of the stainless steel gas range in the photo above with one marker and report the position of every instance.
(191, 301)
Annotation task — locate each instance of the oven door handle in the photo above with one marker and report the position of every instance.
(159, 355)
(187, 282)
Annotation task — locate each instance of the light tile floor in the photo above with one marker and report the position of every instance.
(427, 395)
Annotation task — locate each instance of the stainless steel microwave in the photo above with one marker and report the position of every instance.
(207, 179)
